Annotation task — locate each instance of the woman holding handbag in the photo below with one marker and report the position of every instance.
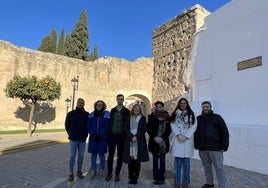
(158, 128)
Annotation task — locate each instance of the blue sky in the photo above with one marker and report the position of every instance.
(120, 28)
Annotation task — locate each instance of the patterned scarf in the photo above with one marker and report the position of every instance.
(183, 118)
(134, 122)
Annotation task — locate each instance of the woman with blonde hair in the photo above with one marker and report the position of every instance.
(135, 149)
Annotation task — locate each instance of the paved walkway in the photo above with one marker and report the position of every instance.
(23, 164)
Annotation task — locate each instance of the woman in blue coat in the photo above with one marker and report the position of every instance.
(98, 123)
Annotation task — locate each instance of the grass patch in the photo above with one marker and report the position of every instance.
(36, 131)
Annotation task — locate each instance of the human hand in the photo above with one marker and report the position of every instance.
(158, 139)
(134, 139)
(181, 138)
(96, 138)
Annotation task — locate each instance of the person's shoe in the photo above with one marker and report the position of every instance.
(117, 178)
(100, 174)
(161, 182)
(80, 175)
(185, 186)
(71, 178)
(155, 182)
(92, 174)
(135, 182)
(177, 186)
(130, 181)
(108, 177)
(207, 185)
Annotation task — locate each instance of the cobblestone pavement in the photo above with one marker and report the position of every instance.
(47, 167)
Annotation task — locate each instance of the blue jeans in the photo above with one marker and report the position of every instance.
(80, 147)
(180, 163)
(94, 161)
(159, 169)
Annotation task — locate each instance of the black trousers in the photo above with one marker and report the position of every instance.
(134, 168)
(115, 140)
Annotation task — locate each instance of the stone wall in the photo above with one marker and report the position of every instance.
(165, 78)
(172, 44)
(101, 79)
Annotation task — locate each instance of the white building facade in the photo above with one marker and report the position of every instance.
(230, 69)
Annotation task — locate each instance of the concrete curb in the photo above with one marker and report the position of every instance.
(58, 183)
(31, 146)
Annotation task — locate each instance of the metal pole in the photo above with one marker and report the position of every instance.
(73, 97)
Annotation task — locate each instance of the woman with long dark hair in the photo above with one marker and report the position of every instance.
(183, 126)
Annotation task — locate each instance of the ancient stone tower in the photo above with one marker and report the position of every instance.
(172, 43)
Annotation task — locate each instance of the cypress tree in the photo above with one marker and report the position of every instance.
(44, 46)
(77, 41)
(95, 52)
(53, 41)
(61, 44)
(49, 43)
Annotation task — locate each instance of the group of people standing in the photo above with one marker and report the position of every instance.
(123, 131)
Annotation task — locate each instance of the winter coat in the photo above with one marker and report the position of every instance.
(152, 129)
(211, 133)
(76, 125)
(142, 155)
(182, 149)
(98, 126)
(124, 113)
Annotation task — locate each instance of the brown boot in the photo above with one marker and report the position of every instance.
(177, 186)
(185, 186)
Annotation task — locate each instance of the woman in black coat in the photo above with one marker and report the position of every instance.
(158, 128)
(135, 148)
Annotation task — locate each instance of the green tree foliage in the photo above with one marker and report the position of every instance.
(31, 90)
(77, 42)
(49, 43)
(94, 55)
(61, 44)
(95, 52)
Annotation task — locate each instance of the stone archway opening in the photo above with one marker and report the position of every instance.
(140, 99)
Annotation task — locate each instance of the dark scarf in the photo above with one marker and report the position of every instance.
(98, 113)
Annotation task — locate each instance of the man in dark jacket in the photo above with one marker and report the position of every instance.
(76, 128)
(116, 137)
(211, 139)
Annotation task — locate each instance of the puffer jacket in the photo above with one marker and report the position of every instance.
(211, 133)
